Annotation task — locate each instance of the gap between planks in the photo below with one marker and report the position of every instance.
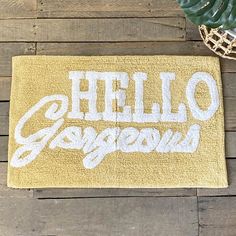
(101, 216)
(93, 30)
(217, 216)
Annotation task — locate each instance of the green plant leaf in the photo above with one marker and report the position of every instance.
(212, 13)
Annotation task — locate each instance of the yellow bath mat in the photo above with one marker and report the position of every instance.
(116, 121)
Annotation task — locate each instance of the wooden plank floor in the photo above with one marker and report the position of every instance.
(109, 27)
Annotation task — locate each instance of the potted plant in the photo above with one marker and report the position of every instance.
(217, 23)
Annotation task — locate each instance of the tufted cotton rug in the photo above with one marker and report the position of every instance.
(116, 121)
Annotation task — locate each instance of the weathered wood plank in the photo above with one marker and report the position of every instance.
(100, 216)
(6, 192)
(155, 192)
(107, 8)
(229, 84)
(5, 88)
(4, 118)
(230, 141)
(230, 113)
(192, 32)
(15, 30)
(135, 48)
(93, 30)
(228, 65)
(3, 148)
(18, 9)
(231, 190)
(8, 50)
(125, 48)
(217, 216)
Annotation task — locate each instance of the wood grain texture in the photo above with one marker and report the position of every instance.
(5, 88)
(192, 32)
(217, 216)
(231, 190)
(229, 84)
(228, 65)
(92, 193)
(18, 9)
(230, 141)
(107, 8)
(76, 30)
(124, 48)
(230, 113)
(3, 148)
(8, 193)
(100, 216)
(4, 118)
(8, 50)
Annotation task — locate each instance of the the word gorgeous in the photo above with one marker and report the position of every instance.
(97, 145)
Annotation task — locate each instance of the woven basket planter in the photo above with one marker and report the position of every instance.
(222, 42)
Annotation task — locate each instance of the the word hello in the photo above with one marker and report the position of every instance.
(139, 114)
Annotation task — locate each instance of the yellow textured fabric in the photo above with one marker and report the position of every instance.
(37, 77)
